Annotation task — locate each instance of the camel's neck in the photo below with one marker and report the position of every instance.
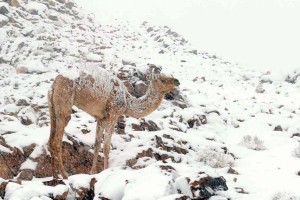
(140, 107)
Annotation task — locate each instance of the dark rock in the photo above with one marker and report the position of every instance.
(149, 29)
(160, 144)
(53, 16)
(195, 52)
(183, 198)
(3, 20)
(232, 171)
(77, 160)
(2, 189)
(61, 1)
(4, 10)
(70, 5)
(296, 135)
(10, 162)
(128, 62)
(197, 121)
(278, 128)
(22, 102)
(167, 168)
(241, 190)
(145, 126)
(120, 126)
(53, 183)
(144, 153)
(298, 173)
(207, 186)
(86, 193)
(26, 174)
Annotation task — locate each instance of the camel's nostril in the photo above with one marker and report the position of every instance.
(176, 82)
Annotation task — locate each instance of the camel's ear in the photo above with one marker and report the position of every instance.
(155, 69)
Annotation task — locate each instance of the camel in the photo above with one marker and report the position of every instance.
(105, 98)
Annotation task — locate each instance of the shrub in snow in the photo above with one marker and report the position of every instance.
(253, 143)
(296, 151)
(215, 159)
(27, 116)
(285, 196)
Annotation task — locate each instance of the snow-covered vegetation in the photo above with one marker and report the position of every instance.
(224, 123)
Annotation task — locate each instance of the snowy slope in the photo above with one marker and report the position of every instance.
(243, 109)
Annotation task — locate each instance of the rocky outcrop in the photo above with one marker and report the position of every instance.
(24, 164)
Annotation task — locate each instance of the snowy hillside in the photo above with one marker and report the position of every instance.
(224, 122)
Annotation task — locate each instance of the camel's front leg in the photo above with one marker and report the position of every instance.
(99, 135)
(107, 138)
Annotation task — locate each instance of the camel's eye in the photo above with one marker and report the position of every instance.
(163, 80)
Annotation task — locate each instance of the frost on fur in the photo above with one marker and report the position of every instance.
(253, 143)
(216, 159)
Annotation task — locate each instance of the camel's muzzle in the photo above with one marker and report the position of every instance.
(176, 82)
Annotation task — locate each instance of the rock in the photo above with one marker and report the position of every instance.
(121, 125)
(61, 1)
(4, 9)
(77, 160)
(76, 156)
(128, 62)
(260, 89)
(22, 102)
(15, 3)
(144, 125)
(149, 29)
(36, 8)
(83, 193)
(27, 116)
(197, 121)
(26, 174)
(232, 171)
(10, 162)
(278, 128)
(70, 5)
(62, 194)
(3, 185)
(53, 15)
(202, 186)
(298, 173)
(3, 20)
(175, 148)
(195, 52)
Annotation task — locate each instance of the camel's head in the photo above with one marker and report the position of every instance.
(164, 83)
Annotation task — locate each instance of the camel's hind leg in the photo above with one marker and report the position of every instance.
(62, 99)
(51, 142)
(99, 135)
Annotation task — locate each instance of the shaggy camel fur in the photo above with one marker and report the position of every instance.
(105, 98)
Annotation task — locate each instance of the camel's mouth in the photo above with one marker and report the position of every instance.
(176, 82)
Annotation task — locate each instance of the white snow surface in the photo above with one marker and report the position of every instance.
(224, 92)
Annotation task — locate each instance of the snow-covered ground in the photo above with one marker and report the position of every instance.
(252, 118)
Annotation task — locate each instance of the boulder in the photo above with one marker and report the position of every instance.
(201, 186)
(3, 20)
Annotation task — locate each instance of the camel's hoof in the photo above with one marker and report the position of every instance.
(93, 172)
(65, 175)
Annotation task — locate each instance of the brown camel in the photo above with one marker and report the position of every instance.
(105, 98)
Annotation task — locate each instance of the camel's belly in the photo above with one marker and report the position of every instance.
(91, 103)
